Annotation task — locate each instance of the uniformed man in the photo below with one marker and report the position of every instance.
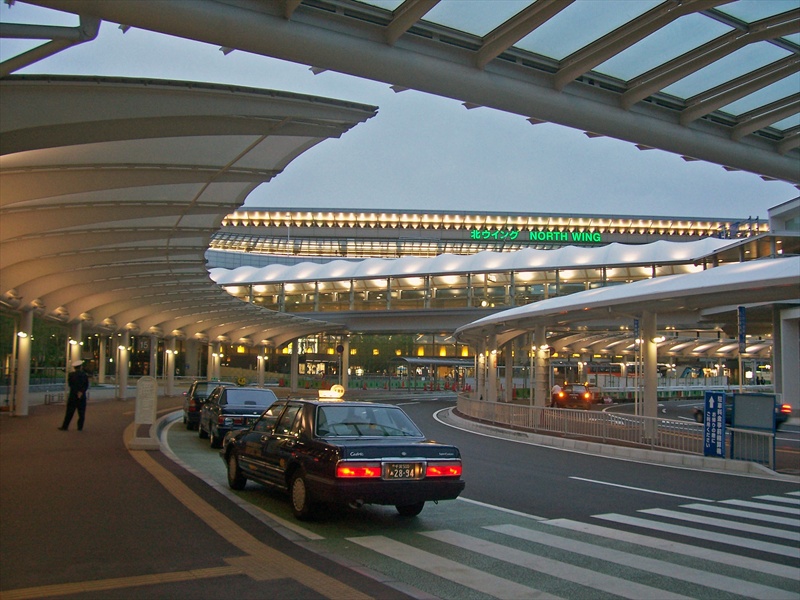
(78, 382)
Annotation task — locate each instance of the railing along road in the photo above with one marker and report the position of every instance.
(655, 433)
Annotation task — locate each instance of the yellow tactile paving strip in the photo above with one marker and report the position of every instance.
(260, 562)
(81, 587)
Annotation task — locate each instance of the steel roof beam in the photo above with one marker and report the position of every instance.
(61, 39)
(728, 92)
(790, 142)
(657, 79)
(404, 17)
(608, 46)
(516, 28)
(766, 115)
(357, 47)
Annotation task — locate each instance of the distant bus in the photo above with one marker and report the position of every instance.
(611, 369)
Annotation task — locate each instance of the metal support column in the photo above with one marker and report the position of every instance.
(23, 374)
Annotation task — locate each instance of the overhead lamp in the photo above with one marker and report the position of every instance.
(22, 334)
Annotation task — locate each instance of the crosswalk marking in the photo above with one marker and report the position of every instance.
(659, 567)
(602, 568)
(726, 558)
(451, 570)
(724, 523)
(795, 501)
(554, 568)
(703, 535)
(744, 514)
(761, 506)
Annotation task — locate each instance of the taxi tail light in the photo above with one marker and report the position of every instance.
(786, 409)
(445, 469)
(192, 405)
(222, 420)
(359, 470)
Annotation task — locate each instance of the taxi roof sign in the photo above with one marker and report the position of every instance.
(335, 393)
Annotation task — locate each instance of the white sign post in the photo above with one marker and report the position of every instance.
(145, 415)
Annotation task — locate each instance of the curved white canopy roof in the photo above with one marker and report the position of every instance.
(112, 188)
(713, 80)
(753, 282)
(570, 257)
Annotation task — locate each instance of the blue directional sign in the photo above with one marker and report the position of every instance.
(742, 325)
(714, 425)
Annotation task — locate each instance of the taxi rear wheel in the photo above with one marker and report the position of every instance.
(302, 502)
(410, 510)
(236, 479)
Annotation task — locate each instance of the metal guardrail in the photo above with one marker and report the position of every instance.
(648, 432)
(53, 397)
(753, 445)
(654, 433)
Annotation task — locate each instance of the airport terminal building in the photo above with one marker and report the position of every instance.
(427, 274)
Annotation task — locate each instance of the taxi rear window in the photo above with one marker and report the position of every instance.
(364, 421)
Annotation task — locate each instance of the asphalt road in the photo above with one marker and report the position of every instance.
(564, 504)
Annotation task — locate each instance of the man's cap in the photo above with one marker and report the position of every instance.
(77, 363)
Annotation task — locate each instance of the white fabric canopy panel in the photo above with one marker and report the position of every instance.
(756, 282)
(112, 189)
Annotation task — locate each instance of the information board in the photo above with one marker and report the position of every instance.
(714, 425)
(146, 401)
(753, 428)
(754, 411)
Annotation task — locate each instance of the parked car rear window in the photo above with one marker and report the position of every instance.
(203, 390)
(250, 397)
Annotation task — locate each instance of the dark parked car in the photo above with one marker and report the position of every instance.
(194, 399)
(573, 395)
(347, 453)
(231, 408)
(782, 413)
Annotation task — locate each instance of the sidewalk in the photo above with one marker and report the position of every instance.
(83, 517)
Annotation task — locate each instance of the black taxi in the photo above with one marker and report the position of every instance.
(330, 451)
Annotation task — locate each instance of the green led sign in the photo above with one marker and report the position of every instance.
(521, 235)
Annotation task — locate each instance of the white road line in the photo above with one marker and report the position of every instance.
(651, 565)
(501, 509)
(475, 579)
(636, 489)
(761, 506)
(794, 501)
(726, 558)
(555, 568)
(711, 536)
(744, 514)
(724, 524)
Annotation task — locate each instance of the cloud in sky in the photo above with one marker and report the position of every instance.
(423, 152)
